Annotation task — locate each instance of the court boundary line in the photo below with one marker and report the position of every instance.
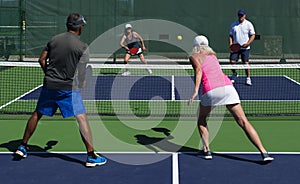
(175, 168)
(19, 97)
(179, 100)
(298, 83)
(158, 153)
(173, 96)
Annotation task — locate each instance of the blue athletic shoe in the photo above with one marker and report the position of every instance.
(21, 151)
(92, 162)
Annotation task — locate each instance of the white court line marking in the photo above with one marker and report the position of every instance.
(20, 97)
(175, 169)
(162, 153)
(292, 80)
(83, 152)
(173, 88)
(187, 100)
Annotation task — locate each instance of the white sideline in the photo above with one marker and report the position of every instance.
(12, 101)
(149, 153)
(175, 169)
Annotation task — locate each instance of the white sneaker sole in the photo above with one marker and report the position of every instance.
(94, 164)
(20, 153)
(267, 159)
(149, 71)
(207, 157)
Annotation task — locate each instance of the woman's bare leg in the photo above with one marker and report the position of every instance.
(240, 117)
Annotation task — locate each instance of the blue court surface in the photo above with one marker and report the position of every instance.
(276, 88)
(164, 168)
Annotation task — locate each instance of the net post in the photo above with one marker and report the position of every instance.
(282, 60)
(22, 28)
(114, 58)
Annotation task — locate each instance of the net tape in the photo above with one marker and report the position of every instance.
(160, 66)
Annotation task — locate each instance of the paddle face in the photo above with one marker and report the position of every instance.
(133, 51)
(235, 47)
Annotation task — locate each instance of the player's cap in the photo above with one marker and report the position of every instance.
(241, 12)
(75, 20)
(81, 21)
(127, 26)
(200, 41)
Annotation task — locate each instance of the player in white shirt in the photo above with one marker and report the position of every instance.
(241, 32)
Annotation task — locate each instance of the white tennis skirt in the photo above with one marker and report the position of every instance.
(225, 95)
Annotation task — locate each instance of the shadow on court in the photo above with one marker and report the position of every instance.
(162, 143)
(232, 157)
(38, 151)
(260, 162)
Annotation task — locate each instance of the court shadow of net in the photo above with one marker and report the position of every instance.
(38, 151)
(232, 157)
(260, 162)
(157, 144)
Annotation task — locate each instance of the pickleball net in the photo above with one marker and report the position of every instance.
(164, 92)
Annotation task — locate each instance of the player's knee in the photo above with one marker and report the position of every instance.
(202, 121)
(232, 61)
(36, 115)
(141, 56)
(243, 123)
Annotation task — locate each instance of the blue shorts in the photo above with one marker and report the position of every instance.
(244, 53)
(69, 102)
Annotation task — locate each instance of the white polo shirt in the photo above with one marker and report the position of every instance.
(241, 32)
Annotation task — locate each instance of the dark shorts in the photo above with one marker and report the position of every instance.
(244, 53)
(69, 102)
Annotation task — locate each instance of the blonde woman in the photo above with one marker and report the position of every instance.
(217, 89)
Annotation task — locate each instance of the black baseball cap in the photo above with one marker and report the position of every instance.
(75, 20)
